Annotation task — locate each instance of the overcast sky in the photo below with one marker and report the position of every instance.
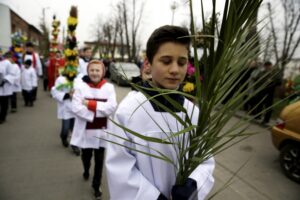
(156, 13)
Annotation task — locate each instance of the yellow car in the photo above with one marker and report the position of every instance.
(286, 138)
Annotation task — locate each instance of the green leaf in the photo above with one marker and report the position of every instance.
(147, 138)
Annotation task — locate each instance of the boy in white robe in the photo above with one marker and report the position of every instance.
(84, 61)
(63, 96)
(94, 100)
(133, 175)
(28, 81)
(30, 54)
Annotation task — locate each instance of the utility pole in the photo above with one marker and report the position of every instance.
(173, 8)
(63, 37)
(44, 44)
(44, 15)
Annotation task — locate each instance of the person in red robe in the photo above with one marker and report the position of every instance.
(55, 64)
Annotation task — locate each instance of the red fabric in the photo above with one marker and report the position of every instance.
(98, 85)
(33, 60)
(53, 70)
(98, 122)
(102, 100)
(92, 105)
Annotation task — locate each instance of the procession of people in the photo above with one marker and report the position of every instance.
(86, 102)
(94, 126)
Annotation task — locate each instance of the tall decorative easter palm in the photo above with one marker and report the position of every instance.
(71, 51)
(54, 33)
(225, 60)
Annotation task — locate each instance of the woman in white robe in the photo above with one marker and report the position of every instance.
(94, 100)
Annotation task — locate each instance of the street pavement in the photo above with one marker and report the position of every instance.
(34, 165)
(253, 165)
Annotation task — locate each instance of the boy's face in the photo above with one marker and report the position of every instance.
(58, 55)
(95, 72)
(29, 49)
(88, 53)
(169, 65)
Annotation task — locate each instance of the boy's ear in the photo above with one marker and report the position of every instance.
(147, 63)
(147, 66)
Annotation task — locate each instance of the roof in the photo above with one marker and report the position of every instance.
(103, 43)
(30, 25)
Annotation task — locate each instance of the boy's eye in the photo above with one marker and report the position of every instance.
(182, 61)
(166, 60)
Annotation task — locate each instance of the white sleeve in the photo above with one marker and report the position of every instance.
(39, 66)
(107, 108)
(79, 109)
(203, 175)
(58, 95)
(10, 75)
(34, 78)
(81, 66)
(17, 75)
(125, 181)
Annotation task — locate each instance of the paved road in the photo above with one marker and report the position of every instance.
(35, 166)
(260, 178)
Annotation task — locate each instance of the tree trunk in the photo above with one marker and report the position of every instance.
(126, 30)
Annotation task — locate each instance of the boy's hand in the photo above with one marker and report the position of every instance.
(71, 93)
(85, 102)
(67, 96)
(185, 191)
(3, 82)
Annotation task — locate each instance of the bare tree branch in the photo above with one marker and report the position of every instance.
(273, 33)
(285, 51)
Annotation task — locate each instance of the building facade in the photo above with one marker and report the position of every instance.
(11, 22)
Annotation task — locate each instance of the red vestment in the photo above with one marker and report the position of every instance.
(53, 70)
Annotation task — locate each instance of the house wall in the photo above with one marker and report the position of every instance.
(20, 25)
(10, 23)
(5, 33)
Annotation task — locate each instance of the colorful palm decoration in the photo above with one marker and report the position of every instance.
(71, 51)
(54, 40)
(18, 41)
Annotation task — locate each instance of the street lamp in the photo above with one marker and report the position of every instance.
(173, 8)
(45, 41)
(44, 9)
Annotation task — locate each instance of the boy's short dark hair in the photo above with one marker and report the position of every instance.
(165, 34)
(267, 63)
(27, 62)
(86, 48)
(29, 44)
